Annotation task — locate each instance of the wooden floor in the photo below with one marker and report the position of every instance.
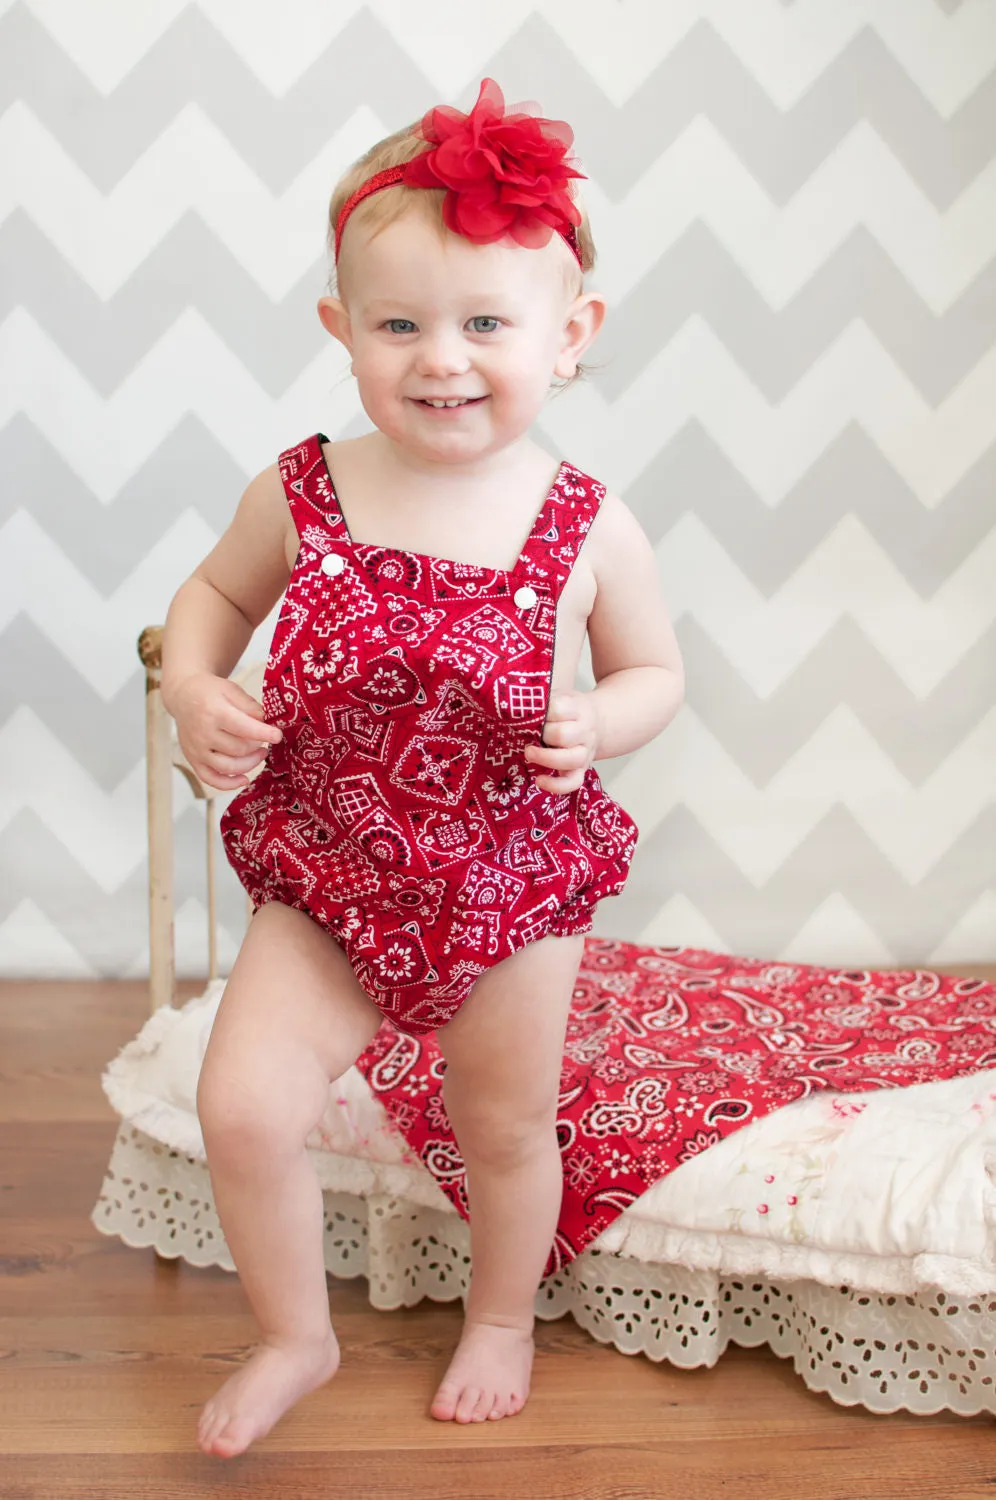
(106, 1356)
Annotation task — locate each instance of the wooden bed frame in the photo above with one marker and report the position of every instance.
(163, 752)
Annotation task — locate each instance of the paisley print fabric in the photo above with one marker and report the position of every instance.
(399, 810)
(670, 1049)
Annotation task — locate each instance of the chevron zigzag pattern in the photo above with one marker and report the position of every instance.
(794, 204)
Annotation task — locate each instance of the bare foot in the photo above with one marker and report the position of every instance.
(248, 1404)
(488, 1375)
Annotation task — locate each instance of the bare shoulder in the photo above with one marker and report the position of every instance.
(351, 452)
(253, 559)
(629, 624)
(617, 539)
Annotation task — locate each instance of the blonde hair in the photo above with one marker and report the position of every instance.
(387, 205)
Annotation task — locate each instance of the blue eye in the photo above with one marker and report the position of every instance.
(480, 318)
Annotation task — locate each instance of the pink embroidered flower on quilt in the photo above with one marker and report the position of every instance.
(846, 1108)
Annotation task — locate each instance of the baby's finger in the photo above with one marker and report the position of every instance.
(559, 760)
(233, 744)
(563, 732)
(561, 784)
(220, 783)
(563, 706)
(231, 765)
(245, 727)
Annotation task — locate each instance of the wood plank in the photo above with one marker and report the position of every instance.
(107, 1354)
(670, 1470)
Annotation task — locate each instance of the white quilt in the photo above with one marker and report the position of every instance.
(886, 1191)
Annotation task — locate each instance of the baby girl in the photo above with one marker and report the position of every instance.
(423, 835)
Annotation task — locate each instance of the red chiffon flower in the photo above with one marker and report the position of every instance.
(506, 174)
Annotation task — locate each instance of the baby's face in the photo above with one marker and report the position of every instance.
(431, 317)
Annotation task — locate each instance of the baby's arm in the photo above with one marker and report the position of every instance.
(208, 626)
(635, 658)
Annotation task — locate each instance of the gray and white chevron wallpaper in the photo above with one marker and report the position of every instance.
(795, 211)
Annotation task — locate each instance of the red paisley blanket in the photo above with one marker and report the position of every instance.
(670, 1049)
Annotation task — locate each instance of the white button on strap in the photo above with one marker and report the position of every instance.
(525, 598)
(332, 564)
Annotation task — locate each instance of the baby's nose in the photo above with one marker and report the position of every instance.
(442, 354)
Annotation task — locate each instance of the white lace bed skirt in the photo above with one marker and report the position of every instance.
(922, 1353)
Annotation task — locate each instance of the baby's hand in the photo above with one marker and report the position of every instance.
(220, 727)
(571, 732)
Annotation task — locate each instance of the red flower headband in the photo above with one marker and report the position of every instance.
(506, 174)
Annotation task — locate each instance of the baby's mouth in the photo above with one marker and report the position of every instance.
(470, 401)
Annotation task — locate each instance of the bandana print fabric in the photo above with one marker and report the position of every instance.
(668, 1050)
(399, 810)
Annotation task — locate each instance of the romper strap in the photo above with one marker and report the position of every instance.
(309, 491)
(560, 529)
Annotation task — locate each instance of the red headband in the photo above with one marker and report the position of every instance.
(507, 174)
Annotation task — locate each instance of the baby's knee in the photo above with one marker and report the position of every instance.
(228, 1111)
(238, 1115)
(501, 1135)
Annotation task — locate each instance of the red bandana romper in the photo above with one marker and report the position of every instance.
(399, 810)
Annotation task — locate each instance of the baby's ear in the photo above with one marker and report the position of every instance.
(335, 319)
(584, 318)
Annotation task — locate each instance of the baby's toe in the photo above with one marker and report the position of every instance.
(444, 1403)
(231, 1438)
(469, 1397)
(211, 1420)
(483, 1408)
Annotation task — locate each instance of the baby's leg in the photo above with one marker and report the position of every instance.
(504, 1052)
(291, 1019)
